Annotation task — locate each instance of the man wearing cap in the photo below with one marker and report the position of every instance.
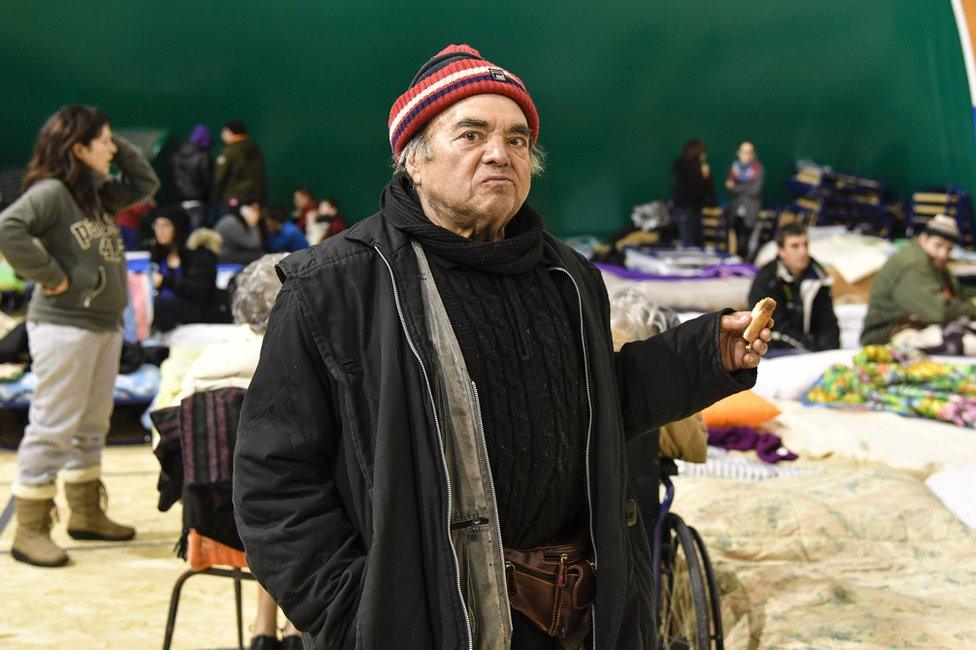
(916, 299)
(430, 454)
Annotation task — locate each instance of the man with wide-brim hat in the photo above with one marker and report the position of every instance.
(917, 300)
(431, 453)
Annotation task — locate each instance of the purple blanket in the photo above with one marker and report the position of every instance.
(768, 447)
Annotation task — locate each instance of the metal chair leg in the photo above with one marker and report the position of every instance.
(237, 602)
(174, 603)
(237, 574)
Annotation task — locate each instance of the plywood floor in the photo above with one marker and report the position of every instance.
(114, 595)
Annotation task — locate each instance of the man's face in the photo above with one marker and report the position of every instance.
(299, 199)
(226, 135)
(937, 248)
(746, 153)
(795, 254)
(481, 170)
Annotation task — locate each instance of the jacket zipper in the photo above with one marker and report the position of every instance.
(99, 287)
(494, 503)
(589, 431)
(440, 442)
(469, 523)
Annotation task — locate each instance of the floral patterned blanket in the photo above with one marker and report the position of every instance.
(887, 378)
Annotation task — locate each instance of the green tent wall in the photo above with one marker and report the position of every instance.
(876, 88)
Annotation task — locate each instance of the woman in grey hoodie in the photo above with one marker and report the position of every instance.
(74, 320)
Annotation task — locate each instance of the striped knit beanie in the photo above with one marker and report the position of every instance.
(455, 73)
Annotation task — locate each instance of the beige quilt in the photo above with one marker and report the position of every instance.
(847, 559)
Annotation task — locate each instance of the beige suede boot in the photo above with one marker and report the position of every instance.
(88, 501)
(32, 541)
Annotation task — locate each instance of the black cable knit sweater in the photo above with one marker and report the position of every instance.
(522, 350)
(523, 355)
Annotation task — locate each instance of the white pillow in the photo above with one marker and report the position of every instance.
(790, 377)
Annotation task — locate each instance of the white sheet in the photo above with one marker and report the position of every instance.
(196, 335)
(915, 445)
(790, 377)
(850, 319)
(689, 295)
(956, 488)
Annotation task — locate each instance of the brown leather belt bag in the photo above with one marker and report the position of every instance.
(553, 586)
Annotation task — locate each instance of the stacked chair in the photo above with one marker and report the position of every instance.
(827, 198)
(715, 228)
(951, 201)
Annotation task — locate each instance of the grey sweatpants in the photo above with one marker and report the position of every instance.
(71, 407)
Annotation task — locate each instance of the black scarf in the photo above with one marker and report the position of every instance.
(518, 252)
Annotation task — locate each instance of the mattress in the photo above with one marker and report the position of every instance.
(139, 387)
(844, 559)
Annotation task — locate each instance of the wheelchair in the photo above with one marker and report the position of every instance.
(688, 612)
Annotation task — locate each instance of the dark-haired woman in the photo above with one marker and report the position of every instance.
(693, 189)
(74, 322)
(243, 232)
(185, 272)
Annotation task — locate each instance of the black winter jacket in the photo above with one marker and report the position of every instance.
(691, 189)
(339, 484)
(193, 173)
(804, 315)
(198, 259)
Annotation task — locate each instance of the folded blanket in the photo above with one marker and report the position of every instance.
(904, 381)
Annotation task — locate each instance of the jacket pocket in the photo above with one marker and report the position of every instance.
(470, 534)
(101, 280)
(82, 281)
(355, 413)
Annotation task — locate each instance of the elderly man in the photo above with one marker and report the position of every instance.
(918, 301)
(437, 408)
(805, 318)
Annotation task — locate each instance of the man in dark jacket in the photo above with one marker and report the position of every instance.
(805, 319)
(438, 387)
(193, 175)
(240, 166)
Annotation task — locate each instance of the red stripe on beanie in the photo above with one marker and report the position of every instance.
(452, 82)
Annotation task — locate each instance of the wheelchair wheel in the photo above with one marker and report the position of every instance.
(717, 636)
(684, 616)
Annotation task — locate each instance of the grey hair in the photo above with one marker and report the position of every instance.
(420, 146)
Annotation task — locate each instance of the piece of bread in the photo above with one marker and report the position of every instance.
(761, 314)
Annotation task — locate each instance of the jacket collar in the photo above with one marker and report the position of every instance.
(814, 271)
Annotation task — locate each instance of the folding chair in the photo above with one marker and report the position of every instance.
(205, 557)
(205, 495)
